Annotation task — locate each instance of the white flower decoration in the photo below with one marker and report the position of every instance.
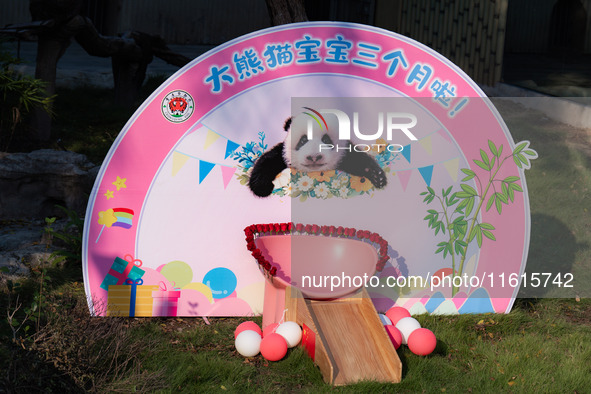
(305, 183)
(343, 192)
(321, 190)
(283, 179)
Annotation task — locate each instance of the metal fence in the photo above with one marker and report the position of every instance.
(470, 33)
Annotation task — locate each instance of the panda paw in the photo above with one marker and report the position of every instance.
(376, 176)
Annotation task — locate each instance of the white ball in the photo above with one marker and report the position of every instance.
(248, 343)
(406, 326)
(385, 319)
(291, 332)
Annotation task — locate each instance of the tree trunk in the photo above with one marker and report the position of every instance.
(50, 49)
(130, 54)
(286, 11)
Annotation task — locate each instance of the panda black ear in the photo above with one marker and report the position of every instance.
(287, 123)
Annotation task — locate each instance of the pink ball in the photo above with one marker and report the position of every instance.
(396, 313)
(247, 325)
(422, 342)
(270, 329)
(395, 335)
(273, 347)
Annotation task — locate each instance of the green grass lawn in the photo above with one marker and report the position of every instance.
(543, 345)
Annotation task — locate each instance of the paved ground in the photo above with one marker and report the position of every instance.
(563, 76)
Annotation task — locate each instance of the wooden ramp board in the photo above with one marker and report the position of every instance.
(350, 343)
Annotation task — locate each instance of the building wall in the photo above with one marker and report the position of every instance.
(529, 25)
(186, 22)
(194, 22)
(14, 11)
(471, 33)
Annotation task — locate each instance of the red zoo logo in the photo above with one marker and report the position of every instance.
(177, 105)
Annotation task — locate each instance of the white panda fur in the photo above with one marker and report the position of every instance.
(308, 156)
(301, 154)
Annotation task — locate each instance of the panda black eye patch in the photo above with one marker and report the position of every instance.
(303, 140)
(326, 139)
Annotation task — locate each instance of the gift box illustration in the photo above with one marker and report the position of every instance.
(165, 301)
(132, 299)
(121, 270)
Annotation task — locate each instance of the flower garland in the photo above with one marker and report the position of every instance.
(256, 230)
(313, 184)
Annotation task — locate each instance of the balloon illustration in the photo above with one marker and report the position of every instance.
(221, 281)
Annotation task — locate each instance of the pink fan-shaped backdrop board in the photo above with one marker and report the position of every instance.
(164, 224)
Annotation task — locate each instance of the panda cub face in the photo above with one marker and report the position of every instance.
(304, 154)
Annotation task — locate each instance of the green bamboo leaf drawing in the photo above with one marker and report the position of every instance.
(485, 158)
(493, 148)
(469, 206)
(504, 188)
(460, 249)
(511, 194)
(481, 165)
(521, 146)
(489, 235)
(479, 236)
(490, 202)
(463, 195)
(472, 234)
(469, 174)
(511, 179)
(487, 226)
(453, 200)
(515, 187)
(499, 205)
(531, 152)
(448, 249)
(464, 200)
(517, 161)
(469, 189)
(441, 248)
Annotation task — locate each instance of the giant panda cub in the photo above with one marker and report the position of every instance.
(303, 154)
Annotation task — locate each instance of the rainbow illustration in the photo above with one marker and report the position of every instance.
(124, 217)
(118, 217)
(315, 118)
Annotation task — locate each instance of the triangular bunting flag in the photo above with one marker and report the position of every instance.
(452, 168)
(227, 173)
(205, 168)
(406, 152)
(231, 146)
(404, 177)
(443, 133)
(426, 143)
(426, 173)
(210, 138)
(178, 161)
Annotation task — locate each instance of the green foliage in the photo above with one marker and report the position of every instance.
(458, 218)
(71, 237)
(19, 95)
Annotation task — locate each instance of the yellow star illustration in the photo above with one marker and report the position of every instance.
(120, 183)
(109, 194)
(107, 218)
